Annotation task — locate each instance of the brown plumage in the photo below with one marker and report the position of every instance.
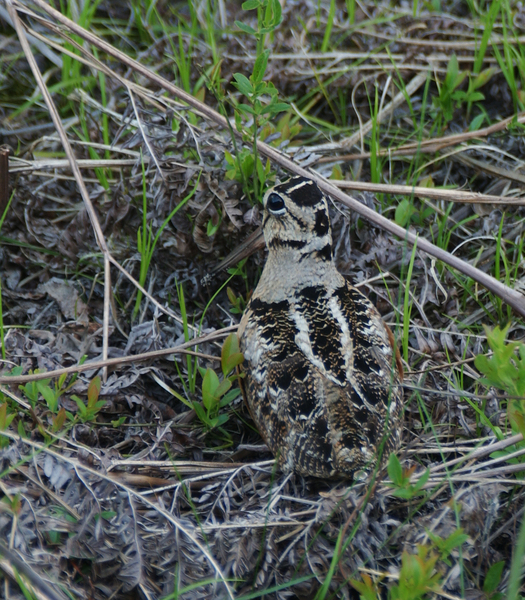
(322, 375)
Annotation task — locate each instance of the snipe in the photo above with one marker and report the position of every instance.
(323, 376)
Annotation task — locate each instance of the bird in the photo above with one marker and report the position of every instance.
(322, 376)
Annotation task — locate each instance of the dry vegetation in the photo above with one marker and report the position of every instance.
(128, 476)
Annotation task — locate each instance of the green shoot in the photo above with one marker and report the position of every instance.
(146, 243)
(329, 27)
(87, 413)
(401, 479)
(217, 394)
(256, 91)
(417, 577)
(505, 370)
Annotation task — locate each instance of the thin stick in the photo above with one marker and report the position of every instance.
(437, 194)
(121, 360)
(430, 145)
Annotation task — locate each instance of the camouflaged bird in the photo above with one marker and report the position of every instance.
(323, 377)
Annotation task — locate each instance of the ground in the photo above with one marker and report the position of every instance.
(127, 476)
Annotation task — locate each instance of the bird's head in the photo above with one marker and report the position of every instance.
(296, 219)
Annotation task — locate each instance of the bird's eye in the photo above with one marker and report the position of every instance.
(275, 204)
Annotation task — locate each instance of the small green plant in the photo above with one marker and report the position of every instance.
(511, 62)
(262, 96)
(244, 165)
(453, 79)
(215, 393)
(89, 412)
(401, 479)
(51, 394)
(84, 135)
(286, 129)
(417, 577)
(450, 97)
(368, 588)
(407, 213)
(238, 303)
(505, 370)
(445, 545)
(146, 243)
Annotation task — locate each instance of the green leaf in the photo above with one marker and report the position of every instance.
(82, 409)
(277, 13)
(403, 493)
(404, 212)
(251, 4)
(210, 383)
(5, 419)
(452, 72)
(279, 107)
(246, 28)
(476, 97)
(48, 394)
(367, 588)
(460, 96)
(421, 481)
(395, 471)
(476, 122)
(259, 68)
(243, 84)
(3, 413)
(233, 361)
(61, 380)
(247, 165)
(59, 420)
(107, 514)
(269, 29)
(224, 386)
(201, 414)
(21, 430)
(493, 577)
(94, 390)
(220, 420)
(231, 343)
(229, 397)
(246, 109)
(482, 79)
(229, 158)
